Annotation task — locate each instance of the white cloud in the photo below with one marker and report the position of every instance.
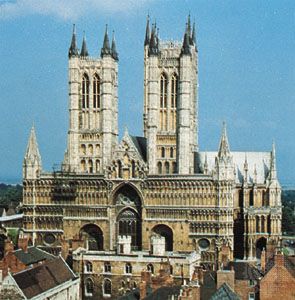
(66, 9)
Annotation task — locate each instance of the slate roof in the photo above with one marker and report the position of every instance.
(256, 160)
(32, 256)
(209, 285)
(244, 271)
(164, 293)
(140, 144)
(44, 277)
(225, 293)
(133, 295)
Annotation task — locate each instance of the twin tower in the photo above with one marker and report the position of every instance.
(170, 104)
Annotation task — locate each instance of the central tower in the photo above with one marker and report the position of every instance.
(170, 101)
(93, 107)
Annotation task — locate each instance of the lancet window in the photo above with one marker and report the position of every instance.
(85, 91)
(96, 92)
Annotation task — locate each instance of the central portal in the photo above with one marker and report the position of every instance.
(128, 207)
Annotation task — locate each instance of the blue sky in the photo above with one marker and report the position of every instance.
(246, 71)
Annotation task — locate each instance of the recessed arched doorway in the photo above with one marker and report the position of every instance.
(128, 210)
(167, 233)
(260, 245)
(93, 235)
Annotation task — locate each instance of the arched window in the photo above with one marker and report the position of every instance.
(128, 268)
(163, 91)
(167, 168)
(107, 267)
(174, 167)
(174, 83)
(119, 169)
(90, 149)
(88, 287)
(257, 224)
(88, 267)
(83, 149)
(107, 287)
(96, 91)
(97, 166)
(162, 152)
(90, 165)
(159, 168)
(83, 165)
(133, 169)
(85, 91)
(251, 198)
(150, 268)
(171, 152)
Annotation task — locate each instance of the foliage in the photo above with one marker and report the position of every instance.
(10, 195)
(288, 202)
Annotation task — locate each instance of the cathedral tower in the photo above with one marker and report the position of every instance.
(170, 101)
(93, 107)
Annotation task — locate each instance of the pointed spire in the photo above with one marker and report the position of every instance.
(84, 51)
(206, 165)
(224, 145)
(186, 42)
(73, 50)
(194, 35)
(114, 48)
(255, 174)
(106, 50)
(273, 165)
(32, 153)
(246, 170)
(189, 29)
(153, 46)
(147, 31)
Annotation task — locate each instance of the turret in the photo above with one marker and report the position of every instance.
(274, 187)
(114, 48)
(106, 50)
(32, 165)
(73, 50)
(224, 161)
(147, 32)
(154, 42)
(185, 50)
(84, 51)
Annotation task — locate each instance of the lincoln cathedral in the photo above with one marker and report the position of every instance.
(116, 207)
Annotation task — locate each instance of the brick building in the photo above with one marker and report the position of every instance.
(278, 281)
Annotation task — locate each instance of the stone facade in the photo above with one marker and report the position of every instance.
(221, 204)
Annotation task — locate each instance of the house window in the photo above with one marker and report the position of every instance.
(150, 268)
(252, 282)
(107, 267)
(128, 268)
(88, 267)
(107, 287)
(251, 296)
(88, 287)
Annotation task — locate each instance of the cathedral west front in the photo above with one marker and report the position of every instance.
(119, 206)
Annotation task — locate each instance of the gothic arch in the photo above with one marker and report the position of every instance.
(128, 210)
(167, 233)
(128, 185)
(93, 235)
(260, 245)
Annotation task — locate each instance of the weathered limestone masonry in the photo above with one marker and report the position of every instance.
(152, 190)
